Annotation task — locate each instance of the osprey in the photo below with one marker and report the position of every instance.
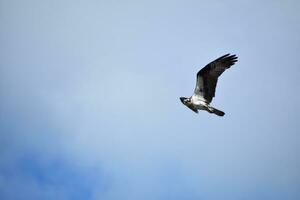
(206, 83)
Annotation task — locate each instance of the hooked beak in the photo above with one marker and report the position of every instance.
(182, 99)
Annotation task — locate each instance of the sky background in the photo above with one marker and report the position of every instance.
(89, 100)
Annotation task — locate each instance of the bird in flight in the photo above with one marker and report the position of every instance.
(206, 83)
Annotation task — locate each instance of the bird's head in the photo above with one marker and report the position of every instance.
(185, 100)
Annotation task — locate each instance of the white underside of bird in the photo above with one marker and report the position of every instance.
(199, 102)
(206, 83)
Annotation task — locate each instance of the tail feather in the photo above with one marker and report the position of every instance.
(217, 112)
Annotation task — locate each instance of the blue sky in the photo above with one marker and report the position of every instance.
(90, 100)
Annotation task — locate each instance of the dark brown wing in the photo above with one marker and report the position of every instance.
(192, 108)
(207, 77)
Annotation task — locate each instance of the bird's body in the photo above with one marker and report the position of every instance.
(199, 102)
(207, 79)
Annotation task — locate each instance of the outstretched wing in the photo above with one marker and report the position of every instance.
(207, 77)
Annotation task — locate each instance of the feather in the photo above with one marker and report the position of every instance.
(207, 77)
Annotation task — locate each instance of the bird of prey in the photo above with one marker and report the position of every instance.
(206, 83)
